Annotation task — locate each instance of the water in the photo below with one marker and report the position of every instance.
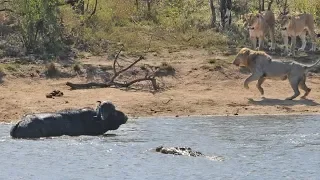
(263, 147)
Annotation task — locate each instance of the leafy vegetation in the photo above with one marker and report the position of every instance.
(53, 28)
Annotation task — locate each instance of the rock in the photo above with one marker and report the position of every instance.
(55, 93)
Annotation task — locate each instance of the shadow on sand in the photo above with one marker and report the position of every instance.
(269, 101)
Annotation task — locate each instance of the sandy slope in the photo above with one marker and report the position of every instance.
(197, 89)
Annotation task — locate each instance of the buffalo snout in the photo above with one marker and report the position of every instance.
(116, 120)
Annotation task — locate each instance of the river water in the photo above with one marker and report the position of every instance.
(254, 147)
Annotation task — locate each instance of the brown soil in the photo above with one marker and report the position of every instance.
(203, 84)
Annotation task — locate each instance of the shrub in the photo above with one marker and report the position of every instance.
(38, 26)
(51, 70)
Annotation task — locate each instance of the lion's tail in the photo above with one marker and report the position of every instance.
(312, 66)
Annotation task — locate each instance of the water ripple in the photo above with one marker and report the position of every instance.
(254, 147)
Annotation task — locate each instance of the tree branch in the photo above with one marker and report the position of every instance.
(150, 75)
(116, 60)
(270, 4)
(112, 81)
(6, 9)
(125, 69)
(94, 10)
(87, 85)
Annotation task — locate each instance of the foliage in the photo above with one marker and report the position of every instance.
(309, 6)
(44, 27)
(38, 25)
(182, 15)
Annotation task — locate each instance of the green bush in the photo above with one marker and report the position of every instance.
(45, 28)
(309, 6)
(39, 26)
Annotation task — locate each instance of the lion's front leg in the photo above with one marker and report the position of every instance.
(303, 40)
(285, 42)
(253, 77)
(293, 45)
(261, 43)
(254, 42)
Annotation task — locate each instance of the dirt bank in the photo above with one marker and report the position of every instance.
(203, 84)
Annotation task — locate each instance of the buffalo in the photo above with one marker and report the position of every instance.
(71, 122)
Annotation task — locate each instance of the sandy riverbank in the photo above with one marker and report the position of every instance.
(198, 88)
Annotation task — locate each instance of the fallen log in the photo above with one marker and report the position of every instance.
(149, 76)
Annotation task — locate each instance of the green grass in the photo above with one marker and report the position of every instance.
(2, 70)
(215, 64)
(212, 61)
(10, 67)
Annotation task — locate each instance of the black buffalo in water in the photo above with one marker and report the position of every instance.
(86, 121)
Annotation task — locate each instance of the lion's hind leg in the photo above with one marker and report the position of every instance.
(294, 82)
(310, 28)
(260, 81)
(304, 87)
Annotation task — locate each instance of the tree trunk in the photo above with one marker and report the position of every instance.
(137, 5)
(270, 4)
(222, 12)
(94, 10)
(262, 5)
(229, 7)
(149, 7)
(213, 14)
(81, 6)
(285, 7)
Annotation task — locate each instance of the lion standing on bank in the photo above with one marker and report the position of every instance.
(294, 26)
(259, 24)
(263, 67)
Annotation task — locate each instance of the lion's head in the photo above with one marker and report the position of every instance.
(242, 57)
(251, 20)
(284, 20)
(246, 57)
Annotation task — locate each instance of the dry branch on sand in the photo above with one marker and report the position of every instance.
(149, 76)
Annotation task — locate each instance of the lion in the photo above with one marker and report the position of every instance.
(259, 24)
(294, 26)
(263, 67)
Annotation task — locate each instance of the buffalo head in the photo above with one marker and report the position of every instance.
(107, 112)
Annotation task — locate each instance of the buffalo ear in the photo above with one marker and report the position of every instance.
(106, 109)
